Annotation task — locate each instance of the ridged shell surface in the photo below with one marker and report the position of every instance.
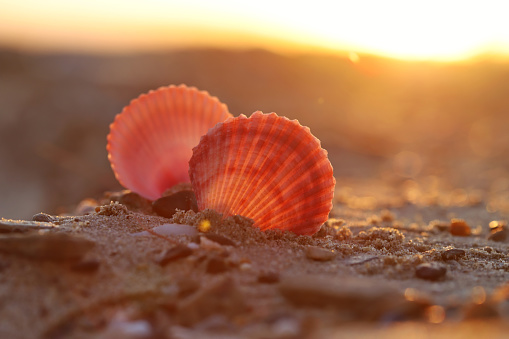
(267, 168)
(151, 141)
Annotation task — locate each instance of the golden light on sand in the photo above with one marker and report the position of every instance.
(445, 30)
(435, 314)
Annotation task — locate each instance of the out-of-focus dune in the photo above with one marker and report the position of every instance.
(400, 119)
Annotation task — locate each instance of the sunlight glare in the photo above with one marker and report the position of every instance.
(441, 30)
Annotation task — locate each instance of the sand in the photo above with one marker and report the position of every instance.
(390, 269)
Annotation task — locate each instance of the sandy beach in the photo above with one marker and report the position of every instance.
(416, 243)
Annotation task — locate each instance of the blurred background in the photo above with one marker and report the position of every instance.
(395, 90)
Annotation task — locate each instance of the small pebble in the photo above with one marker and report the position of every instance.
(359, 260)
(500, 235)
(387, 216)
(453, 254)
(428, 271)
(43, 217)
(128, 329)
(319, 253)
(193, 245)
(245, 266)
(178, 252)
(168, 205)
(460, 228)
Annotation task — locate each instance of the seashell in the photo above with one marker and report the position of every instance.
(267, 168)
(151, 141)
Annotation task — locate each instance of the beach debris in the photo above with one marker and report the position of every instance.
(359, 260)
(319, 254)
(453, 254)
(169, 230)
(168, 205)
(343, 233)
(459, 227)
(9, 225)
(177, 252)
(151, 140)
(114, 208)
(266, 168)
(430, 271)
(46, 245)
(217, 238)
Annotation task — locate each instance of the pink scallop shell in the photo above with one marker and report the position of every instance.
(151, 141)
(267, 168)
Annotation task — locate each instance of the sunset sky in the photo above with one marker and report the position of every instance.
(438, 30)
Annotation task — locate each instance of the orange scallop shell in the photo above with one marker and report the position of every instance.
(267, 168)
(151, 141)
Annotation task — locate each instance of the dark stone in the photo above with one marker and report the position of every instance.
(428, 271)
(268, 277)
(168, 205)
(174, 253)
(216, 265)
(133, 200)
(453, 254)
(43, 217)
(86, 266)
(500, 235)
